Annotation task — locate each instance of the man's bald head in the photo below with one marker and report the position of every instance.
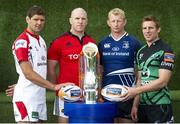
(78, 10)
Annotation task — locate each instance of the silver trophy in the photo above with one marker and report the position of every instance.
(89, 60)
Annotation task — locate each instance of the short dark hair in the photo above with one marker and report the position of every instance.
(35, 10)
(152, 18)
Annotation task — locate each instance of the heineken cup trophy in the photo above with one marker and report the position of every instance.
(89, 60)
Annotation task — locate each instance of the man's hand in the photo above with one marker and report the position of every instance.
(10, 90)
(58, 86)
(100, 99)
(134, 112)
(131, 92)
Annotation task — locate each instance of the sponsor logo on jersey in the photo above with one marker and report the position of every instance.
(20, 44)
(35, 115)
(74, 56)
(125, 44)
(115, 53)
(168, 57)
(107, 45)
(167, 64)
(42, 64)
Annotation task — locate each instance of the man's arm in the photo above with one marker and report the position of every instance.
(134, 109)
(162, 81)
(31, 75)
(100, 73)
(51, 70)
(10, 90)
(36, 78)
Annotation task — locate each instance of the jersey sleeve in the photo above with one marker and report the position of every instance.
(21, 50)
(53, 51)
(167, 60)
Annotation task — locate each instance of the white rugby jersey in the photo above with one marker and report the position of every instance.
(32, 48)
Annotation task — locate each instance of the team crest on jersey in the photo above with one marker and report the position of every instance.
(20, 44)
(115, 49)
(68, 44)
(107, 45)
(145, 73)
(125, 44)
(43, 58)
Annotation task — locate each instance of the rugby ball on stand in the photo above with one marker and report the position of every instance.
(113, 92)
(70, 93)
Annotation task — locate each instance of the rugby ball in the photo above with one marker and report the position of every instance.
(113, 92)
(70, 93)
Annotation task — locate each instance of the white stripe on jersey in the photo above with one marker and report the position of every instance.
(126, 74)
(122, 71)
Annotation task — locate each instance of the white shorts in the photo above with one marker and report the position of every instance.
(29, 112)
(59, 107)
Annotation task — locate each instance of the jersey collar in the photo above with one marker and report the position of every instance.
(156, 42)
(125, 34)
(33, 35)
(76, 35)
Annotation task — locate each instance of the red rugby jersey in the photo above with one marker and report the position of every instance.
(66, 50)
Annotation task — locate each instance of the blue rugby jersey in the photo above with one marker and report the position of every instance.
(118, 59)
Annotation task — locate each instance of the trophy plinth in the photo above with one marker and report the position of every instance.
(89, 59)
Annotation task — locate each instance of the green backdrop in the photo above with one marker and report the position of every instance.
(12, 23)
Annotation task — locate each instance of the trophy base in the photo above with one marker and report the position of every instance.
(90, 96)
(90, 102)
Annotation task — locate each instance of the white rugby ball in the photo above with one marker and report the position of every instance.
(113, 92)
(70, 93)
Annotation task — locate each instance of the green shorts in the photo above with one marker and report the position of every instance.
(155, 114)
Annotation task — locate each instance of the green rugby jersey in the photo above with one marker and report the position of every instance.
(150, 59)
